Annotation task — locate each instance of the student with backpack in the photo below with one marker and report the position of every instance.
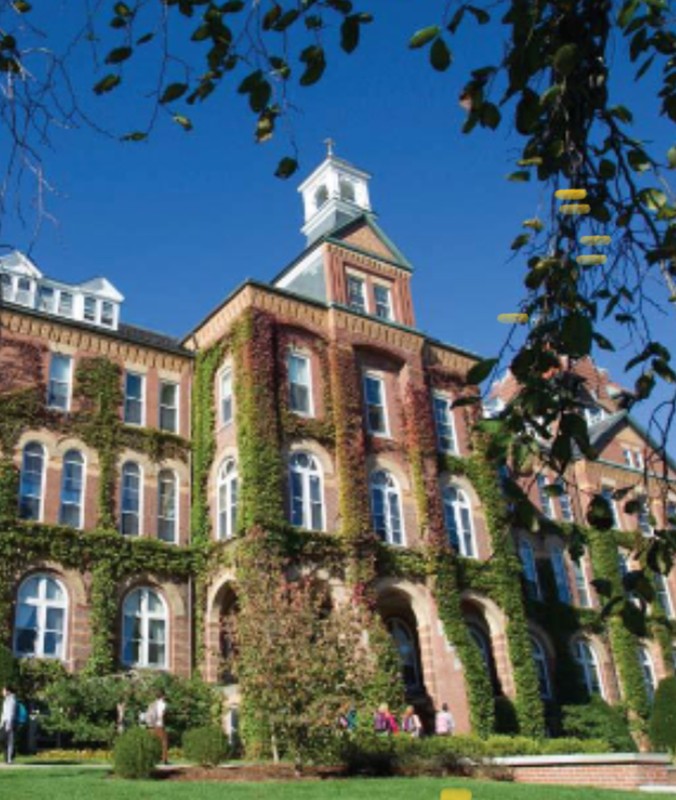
(154, 719)
(384, 722)
(8, 721)
(410, 723)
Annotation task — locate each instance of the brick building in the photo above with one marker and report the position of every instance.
(129, 441)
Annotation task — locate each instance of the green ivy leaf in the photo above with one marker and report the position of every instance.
(440, 55)
(479, 372)
(173, 92)
(286, 167)
(566, 59)
(424, 36)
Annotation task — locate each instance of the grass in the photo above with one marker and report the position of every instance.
(86, 783)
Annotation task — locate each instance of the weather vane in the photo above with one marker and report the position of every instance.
(329, 146)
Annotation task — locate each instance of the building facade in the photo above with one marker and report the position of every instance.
(301, 403)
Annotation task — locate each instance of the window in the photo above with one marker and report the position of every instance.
(144, 629)
(6, 288)
(628, 457)
(305, 483)
(581, 585)
(133, 398)
(663, 596)
(107, 313)
(545, 500)
(72, 485)
(530, 572)
(23, 292)
(541, 668)
(346, 190)
(644, 516)
(169, 407)
(65, 304)
(226, 396)
(227, 499)
(405, 643)
(376, 415)
(300, 390)
(383, 299)
(46, 299)
(40, 625)
(90, 309)
(589, 666)
(483, 642)
(356, 293)
(458, 518)
(648, 672)
(321, 196)
(594, 415)
(560, 575)
(638, 460)
(386, 507)
(167, 506)
(443, 417)
(131, 499)
(607, 494)
(58, 389)
(32, 480)
(565, 503)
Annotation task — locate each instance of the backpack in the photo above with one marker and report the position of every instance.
(380, 723)
(21, 714)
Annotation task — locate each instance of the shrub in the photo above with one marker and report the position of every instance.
(663, 719)
(206, 746)
(136, 754)
(8, 668)
(505, 716)
(598, 720)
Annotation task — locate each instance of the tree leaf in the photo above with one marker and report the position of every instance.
(639, 160)
(479, 372)
(271, 17)
(535, 224)
(201, 33)
(664, 370)
(107, 84)
(173, 92)
(602, 342)
(600, 514)
(653, 199)
(566, 58)
(286, 167)
(521, 240)
(576, 334)
(184, 122)
(21, 6)
(349, 33)
(528, 112)
(424, 36)
(136, 136)
(118, 55)
(671, 157)
(145, 38)
(122, 10)
(440, 55)
(622, 113)
(481, 16)
(466, 401)
(520, 176)
(607, 169)
(627, 12)
(315, 60)
(490, 116)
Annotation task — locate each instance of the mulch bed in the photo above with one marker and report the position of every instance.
(251, 772)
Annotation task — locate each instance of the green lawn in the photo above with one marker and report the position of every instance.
(95, 784)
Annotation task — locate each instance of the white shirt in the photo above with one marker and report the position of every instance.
(160, 708)
(444, 722)
(8, 712)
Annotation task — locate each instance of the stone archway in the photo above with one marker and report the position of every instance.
(221, 643)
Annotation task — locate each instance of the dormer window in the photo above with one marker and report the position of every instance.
(90, 309)
(65, 304)
(347, 190)
(46, 299)
(23, 291)
(594, 415)
(321, 197)
(6, 286)
(107, 314)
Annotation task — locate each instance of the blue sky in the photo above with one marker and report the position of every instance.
(177, 222)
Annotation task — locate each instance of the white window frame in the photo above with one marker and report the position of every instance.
(50, 291)
(227, 496)
(306, 473)
(226, 371)
(662, 591)
(60, 304)
(647, 672)
(546, 501)
(175, 409)
(351, 276)
(139, 513)
(164, 473)
(371, 376)
(644, 527)
(145, 616)
(389, 317)
(129, 373)
(565, 503)
(310, 398)
(95, 301)
(449, 421)
(587, 659)
(390, 490)
(68, 382)
(42, 604)
(560, 571)
(540, 659)
(454, 508)
(43, 479)
(584, 598)
(83, 488)
(530, 569)
(607, 494)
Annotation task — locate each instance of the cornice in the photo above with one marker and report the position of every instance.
(359, 258)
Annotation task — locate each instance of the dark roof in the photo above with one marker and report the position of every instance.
(161, 341)
(599, 432)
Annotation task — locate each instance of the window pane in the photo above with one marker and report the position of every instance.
(226, 396)
(66, 304)
(30, 490)
(383, 301)
(356, 297)
(168, 407)
(133, 399)
(90, 309)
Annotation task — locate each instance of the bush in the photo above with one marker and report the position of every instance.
(598, 720)
(663, 719)
(206, 746)
(8, 668)
(137, 752)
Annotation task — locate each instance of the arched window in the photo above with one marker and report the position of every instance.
(458, 517)
(167, 502)
(405, 643)
(560, 575)
(40, 626)
(32, 480)
(386, 507)
(321, 196)
(589, 665)
(227, 499)
(72, 485)
(144, 629)
(541, 668)
(306, 494)
(482, 641)
(346, 190)
(131, 499)
(648, 672)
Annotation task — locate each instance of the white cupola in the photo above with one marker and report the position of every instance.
(335, 193)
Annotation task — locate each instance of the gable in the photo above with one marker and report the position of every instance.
(365, 238)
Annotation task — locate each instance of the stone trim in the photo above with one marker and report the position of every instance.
(583, 758)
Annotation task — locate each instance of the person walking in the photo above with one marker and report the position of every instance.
(384, 722)
(410, 723)
(8, 721)
(444, 722)
(155, 720)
